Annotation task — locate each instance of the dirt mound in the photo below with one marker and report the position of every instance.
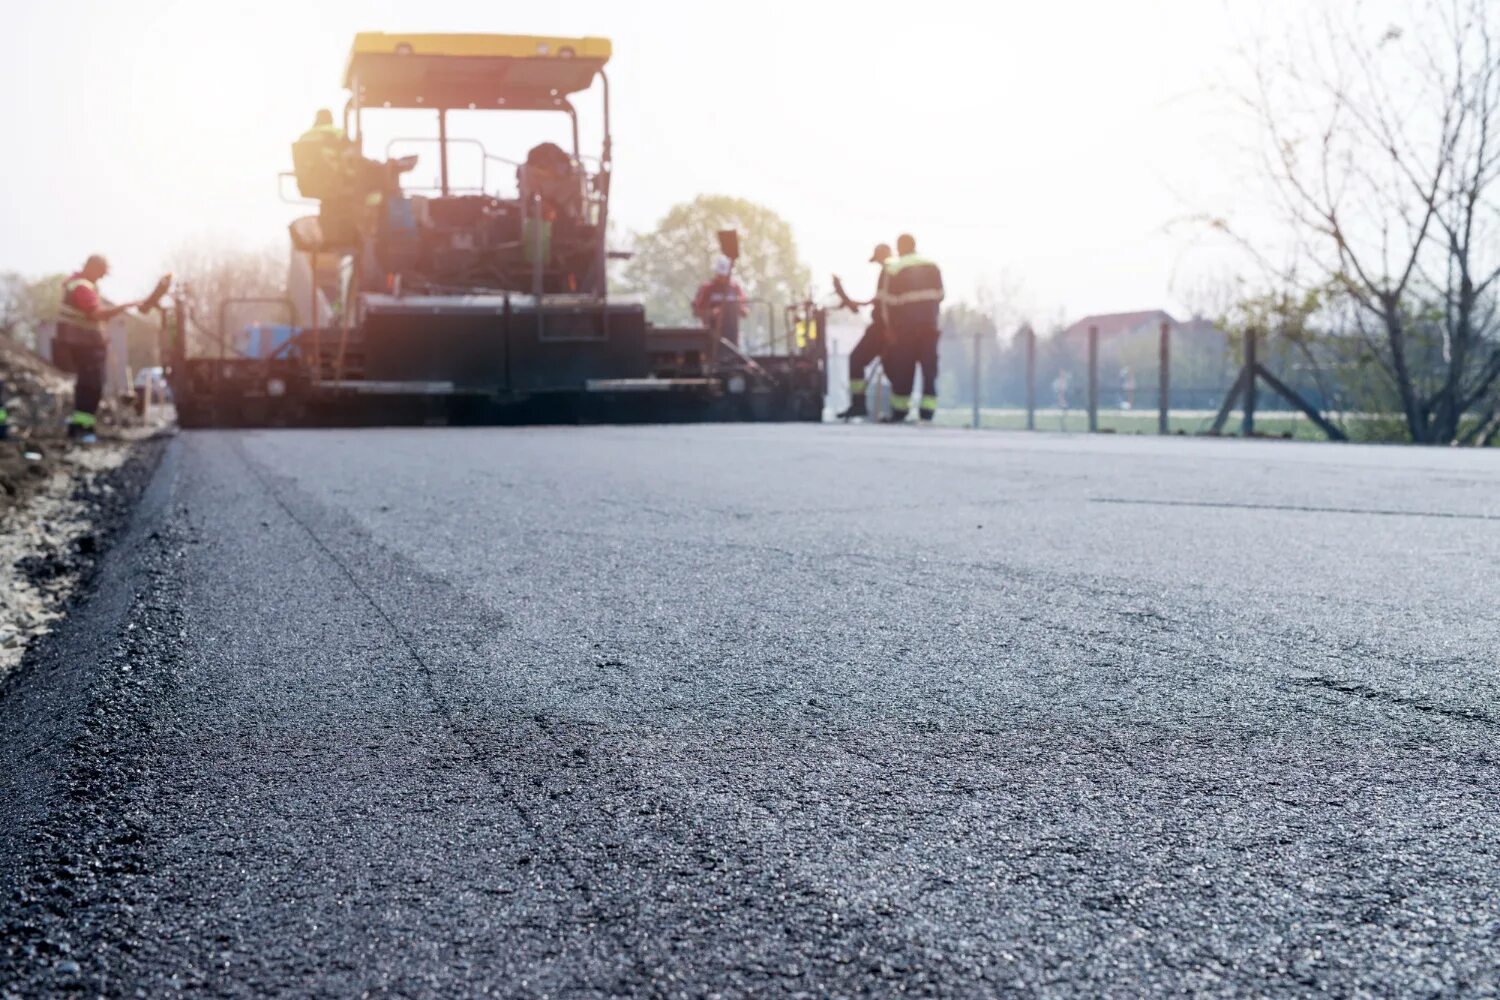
(36, 394)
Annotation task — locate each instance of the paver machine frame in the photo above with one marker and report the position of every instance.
(469, 306)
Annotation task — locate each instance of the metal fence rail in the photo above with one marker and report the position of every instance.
(1156, 403)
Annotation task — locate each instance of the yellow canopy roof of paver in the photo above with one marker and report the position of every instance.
(485, 71)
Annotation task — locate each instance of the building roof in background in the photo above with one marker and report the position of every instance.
(1111, 324)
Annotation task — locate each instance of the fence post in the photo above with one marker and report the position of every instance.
(313, 318)
(976, 379)
(1030, 379)
(1164, 379)
(1093, 379)
(1248, 426)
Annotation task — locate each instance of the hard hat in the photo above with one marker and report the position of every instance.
(722, 265)
(882, 253)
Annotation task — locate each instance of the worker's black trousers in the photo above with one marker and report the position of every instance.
(84, 358)
(908, 350)
(865, 352)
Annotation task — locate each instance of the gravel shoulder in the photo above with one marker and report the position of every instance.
(66, 502)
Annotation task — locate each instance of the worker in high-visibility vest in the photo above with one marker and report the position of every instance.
(79, 346)
(323, 159)
(350, 189)
(870, 346)
(910, 302)
(326, 164)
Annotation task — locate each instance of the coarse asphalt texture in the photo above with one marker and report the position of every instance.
(767, 710)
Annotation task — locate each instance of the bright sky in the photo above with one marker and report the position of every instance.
(1040, 145)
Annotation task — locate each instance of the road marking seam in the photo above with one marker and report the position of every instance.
(579, 878)
(1418, 704)
(1296, 508)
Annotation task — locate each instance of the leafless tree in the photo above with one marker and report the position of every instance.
(210, 272)
(1383, 142)
(26, 303)
(1004, 297)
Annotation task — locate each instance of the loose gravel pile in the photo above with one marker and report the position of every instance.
(52, 497)
(48, 537)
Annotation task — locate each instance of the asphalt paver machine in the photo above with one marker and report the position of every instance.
(479, 304)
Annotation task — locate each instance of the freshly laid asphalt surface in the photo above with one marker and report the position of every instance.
(770, 710)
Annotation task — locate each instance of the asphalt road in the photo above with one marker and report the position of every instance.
(769, 710)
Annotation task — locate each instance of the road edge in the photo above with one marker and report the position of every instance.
(71, 715)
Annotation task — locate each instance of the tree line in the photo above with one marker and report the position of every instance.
(1378, 295)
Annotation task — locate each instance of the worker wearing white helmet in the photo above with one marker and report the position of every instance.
(721, 303)
(872, 345)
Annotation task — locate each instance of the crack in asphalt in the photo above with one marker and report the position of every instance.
(1295, 508)
(1425, 705)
